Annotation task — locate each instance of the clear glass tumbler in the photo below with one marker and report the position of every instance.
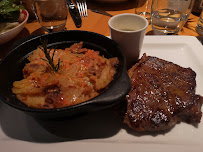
(199, 27)
(143, 8)
(169, 16)
(51, 14)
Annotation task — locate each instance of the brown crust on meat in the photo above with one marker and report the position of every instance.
(162, 95)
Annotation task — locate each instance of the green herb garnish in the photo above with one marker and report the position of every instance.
(10, 10)
(49, 59)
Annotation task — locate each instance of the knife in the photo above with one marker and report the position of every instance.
(74, 14)
(101, 12)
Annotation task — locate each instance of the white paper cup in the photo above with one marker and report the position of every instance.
(128, 31)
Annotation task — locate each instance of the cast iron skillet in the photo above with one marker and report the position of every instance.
(11, 70)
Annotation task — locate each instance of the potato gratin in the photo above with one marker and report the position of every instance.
(81, 76)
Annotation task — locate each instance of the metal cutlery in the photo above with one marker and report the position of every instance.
(82, 7)
(101, 12)
(74, 14)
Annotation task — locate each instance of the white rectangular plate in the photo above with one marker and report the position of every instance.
(19, 132)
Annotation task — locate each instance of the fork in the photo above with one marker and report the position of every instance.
(82, 7)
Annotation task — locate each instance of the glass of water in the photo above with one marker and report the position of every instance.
(51, 14)
(169, 16)
(199, 27)
(143, 8)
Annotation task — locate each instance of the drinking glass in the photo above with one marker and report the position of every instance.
(199, 27)
(143, 8)
(169, 16)
(51, 14)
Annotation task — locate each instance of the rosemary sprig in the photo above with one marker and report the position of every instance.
(49, 59)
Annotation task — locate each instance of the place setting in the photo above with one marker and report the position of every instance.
(100, 78)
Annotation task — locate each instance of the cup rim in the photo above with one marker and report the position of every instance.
(128, 14)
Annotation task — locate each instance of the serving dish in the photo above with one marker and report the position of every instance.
(31, 135)
(12, 65)
(10, 34)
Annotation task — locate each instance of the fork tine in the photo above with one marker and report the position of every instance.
(82, 7)
(86, 8)
(79, 8)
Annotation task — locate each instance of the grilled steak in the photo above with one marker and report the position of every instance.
(162, 95)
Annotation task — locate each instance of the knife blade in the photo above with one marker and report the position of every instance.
(74, 14)
(101, 12)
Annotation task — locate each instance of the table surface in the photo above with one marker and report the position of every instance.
(96, 22)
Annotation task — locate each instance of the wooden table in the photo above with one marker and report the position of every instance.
(95, 23)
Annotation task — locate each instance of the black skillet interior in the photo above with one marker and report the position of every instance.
(11, 70)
